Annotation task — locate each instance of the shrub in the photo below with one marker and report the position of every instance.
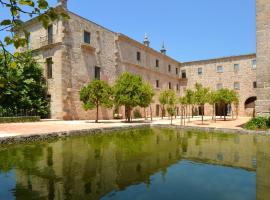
(137, 114)
(258, 123)
(19, 119)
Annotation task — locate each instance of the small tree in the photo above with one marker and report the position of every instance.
(213, 100)
(130, 91)
(97, 93)
(224, 97)
(171, 103)
(201, 96)
(146, 97)
(190, 97)
(163, 100)
(184, 103)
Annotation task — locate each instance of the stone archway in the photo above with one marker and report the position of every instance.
(250, 105)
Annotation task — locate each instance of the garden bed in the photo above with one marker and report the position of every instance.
(19, 119)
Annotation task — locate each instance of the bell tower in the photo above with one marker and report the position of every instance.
(263, 57)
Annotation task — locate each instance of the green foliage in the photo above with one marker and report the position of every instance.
(147, 94)
(22, 85)
(130, 91)
(171, 103)
(137, 114)
(163, 100)
(258, 123)
(19, 119)
(225, 96)
(190, 97)
(97, 93)
(201, 94)
(25, 8)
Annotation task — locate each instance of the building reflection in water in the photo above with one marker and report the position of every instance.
(92, 167)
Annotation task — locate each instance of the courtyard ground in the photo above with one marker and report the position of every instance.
(50, 126)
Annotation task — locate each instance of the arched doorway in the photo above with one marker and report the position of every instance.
(250, 106)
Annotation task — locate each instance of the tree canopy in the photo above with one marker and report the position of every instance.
(12, 26)
(130, 91)
(22, 85)
(97, 93)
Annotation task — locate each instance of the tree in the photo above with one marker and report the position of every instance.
(171, 103)
(235, 101)
(201, 96)
(97, 93)
(163, 100)
(190, 97)
(146, 97)
(22, 86)
(12, 26)
(224, 97)
(130, 91)
(184, 103)
(213, 100)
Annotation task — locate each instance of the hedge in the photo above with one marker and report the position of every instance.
(19, 119)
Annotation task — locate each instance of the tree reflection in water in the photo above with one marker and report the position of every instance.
(93, 167)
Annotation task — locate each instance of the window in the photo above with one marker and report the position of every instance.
(219, 86)
(176, 71)
(236, 67)
(170, 85)
(50, 34)
(220, 69)
(254, 64)
(200, 71)
(177, 87)
(49, 63)
(255, 84)
(236, 85)
(169, 68)
(138, 56)
(183, 74)
(97, 73)
(157, 83)
(157, 63)
(86, 37)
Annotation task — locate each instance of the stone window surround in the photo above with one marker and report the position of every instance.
(86, 40)
(220, 69)
(236, 67)
(49, 67)
(138, 56)
(200, 71)
(236, 85)
(219, 86)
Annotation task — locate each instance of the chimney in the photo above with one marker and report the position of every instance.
(146, 40)
(163, 49)
(62, 3)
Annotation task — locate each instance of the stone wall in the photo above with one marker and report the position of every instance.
(245, 76)
(263, 57)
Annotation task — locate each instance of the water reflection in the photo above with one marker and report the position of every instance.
(138, 164)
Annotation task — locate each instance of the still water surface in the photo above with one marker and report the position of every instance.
(139, 164)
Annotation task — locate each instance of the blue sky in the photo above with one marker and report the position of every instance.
(191, 29)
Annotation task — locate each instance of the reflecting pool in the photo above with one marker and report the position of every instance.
(139, 164)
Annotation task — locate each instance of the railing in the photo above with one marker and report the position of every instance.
(9, 112)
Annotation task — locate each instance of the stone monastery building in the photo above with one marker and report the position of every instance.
(77, 50)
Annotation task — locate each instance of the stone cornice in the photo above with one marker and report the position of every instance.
(177, 78)
(223, 59)
(147, 49)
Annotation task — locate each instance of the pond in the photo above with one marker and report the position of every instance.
(139, 164)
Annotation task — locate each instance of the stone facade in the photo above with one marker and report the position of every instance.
(263, 57)
(234, 71)
(75, 61)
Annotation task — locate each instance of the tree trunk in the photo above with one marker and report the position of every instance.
(129, 114)
(151, 114)
(202, 113)
(171, 119)
(145, 117)
(224, 110)
(97, 113)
